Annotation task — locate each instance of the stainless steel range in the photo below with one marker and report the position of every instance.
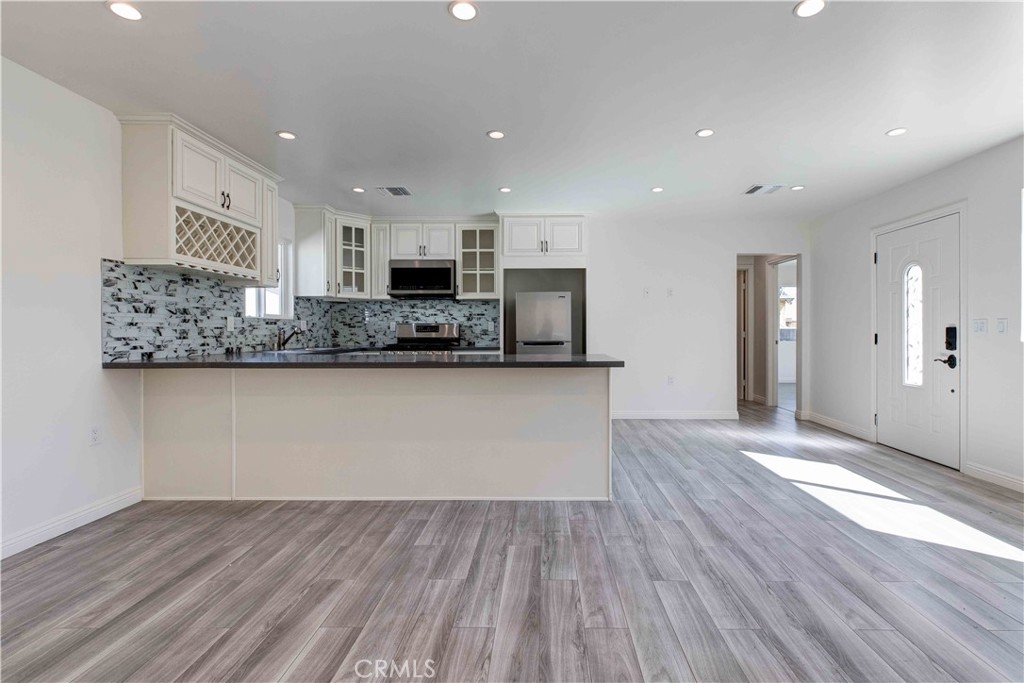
(425, 338)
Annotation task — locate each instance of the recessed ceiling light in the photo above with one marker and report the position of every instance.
(124, 10)
(461, 10)
(808, 8)
(797, 188)
(495, 134)
(657, 189)
(285, 135)
(358, 189)
(505, 189)
(704, 133)
(896, 132)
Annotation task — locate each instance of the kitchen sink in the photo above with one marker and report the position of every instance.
(313, 352)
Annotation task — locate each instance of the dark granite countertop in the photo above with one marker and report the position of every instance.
(359, 358)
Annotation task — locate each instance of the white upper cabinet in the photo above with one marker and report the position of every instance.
(524, 236)
(353, 243)
(213, 180)
(406, 240)
(198, 172)
(270, 270)
(439, 240)
(332, 254)
(543, 241)
(422, 240)
(380, 250)
(242, 191)
(190, 202)
(563, 235)
(478, 277)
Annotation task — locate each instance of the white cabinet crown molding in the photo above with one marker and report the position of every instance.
(182, 124)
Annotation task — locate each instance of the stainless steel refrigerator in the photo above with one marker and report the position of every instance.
(544, 323)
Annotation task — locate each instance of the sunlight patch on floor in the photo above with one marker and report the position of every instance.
(878, 508)
(822, 473)
(911, 520)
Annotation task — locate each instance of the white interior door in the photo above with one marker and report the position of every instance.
(919, 339)
(741, 334)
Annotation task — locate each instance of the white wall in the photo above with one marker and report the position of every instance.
(991, 184)
(61, 214)
(690, 335)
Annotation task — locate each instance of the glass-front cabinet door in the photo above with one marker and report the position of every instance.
(478, 261)
(352, 261)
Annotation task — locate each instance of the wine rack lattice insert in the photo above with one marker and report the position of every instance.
(201, 237)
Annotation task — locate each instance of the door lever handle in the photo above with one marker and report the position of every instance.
(950, 361)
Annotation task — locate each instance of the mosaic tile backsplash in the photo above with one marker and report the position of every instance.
(368, 323)
(152, 312)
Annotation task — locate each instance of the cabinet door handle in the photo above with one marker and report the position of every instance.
(328, 286)
(223, 199)
(278, 274)
(337, 286)
(229, 202)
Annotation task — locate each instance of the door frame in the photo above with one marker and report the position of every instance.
(772, 330)
(959, 208)
(748, 389)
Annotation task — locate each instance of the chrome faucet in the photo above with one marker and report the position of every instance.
(282, 339)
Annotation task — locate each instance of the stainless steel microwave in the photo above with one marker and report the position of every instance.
(423, 278)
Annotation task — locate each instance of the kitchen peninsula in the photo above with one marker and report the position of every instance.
(295, 425)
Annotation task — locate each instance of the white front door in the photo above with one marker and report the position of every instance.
(919, 339)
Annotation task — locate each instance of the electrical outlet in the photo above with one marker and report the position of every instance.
(980, 325)
(490, 326)
(669, 292)
(647, 292)
(1002, 326)
(392, 326)
(671, 380)
(231, 324)
(94, 436)
(303, 325)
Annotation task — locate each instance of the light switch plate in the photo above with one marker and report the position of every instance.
(231, 324)
(979, 325)
(1002, 325)
(303, 325)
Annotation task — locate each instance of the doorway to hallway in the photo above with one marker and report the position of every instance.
(785, 342)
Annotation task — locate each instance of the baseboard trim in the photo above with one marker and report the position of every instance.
(758, 399)
(839, 426)
(803, 415)
(675, 415)
(387, 498)
(187, 498)
(993, 477)
(72, 520)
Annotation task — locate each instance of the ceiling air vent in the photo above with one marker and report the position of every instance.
(763, 189)
(394, 191)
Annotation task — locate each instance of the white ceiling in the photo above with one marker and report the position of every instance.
(599, 99)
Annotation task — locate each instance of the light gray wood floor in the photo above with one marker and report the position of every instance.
(817, 557)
